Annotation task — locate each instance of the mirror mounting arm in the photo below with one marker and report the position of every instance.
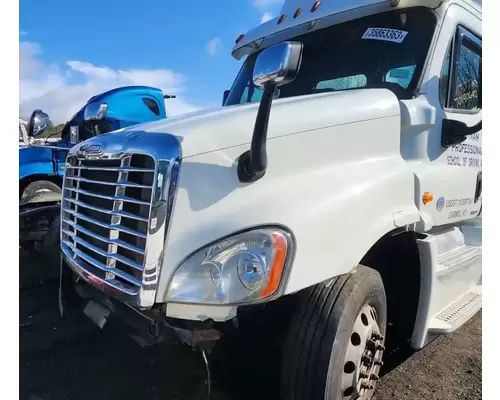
(252, 164)
(455, 132)
(475, 128)
(275, 66)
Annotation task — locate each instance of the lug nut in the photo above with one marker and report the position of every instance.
(381, 347)
(374, 377)
(363, 375)
(379, 363)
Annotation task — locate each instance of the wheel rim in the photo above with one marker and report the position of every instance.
(363, 357)
(25, 193)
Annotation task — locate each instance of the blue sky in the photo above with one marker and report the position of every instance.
(70, 48)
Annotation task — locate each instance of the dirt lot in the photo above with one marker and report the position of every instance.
(72, 359)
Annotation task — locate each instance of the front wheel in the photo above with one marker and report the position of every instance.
(39, 187)
(335, 343)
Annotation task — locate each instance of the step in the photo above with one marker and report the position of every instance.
(457, 313)
(457, 257)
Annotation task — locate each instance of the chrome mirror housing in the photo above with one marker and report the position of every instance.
(95, 111)
(278, 64)
(39, 122)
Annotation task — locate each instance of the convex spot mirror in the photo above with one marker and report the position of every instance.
(39, 122)
(278, 64)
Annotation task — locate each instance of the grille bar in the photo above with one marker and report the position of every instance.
(113, 198)
(117, 227)
(113, 271)
(118, 242)
(109, 212)
(120, 183)
(113, 282)
(117, 169)
(106, 254)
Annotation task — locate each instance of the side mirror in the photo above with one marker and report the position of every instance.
(275, 66)
(224, 96)
(454, 132)
(39, 122)
(95, 111)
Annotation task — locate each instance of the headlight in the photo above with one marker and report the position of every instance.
(244, 268)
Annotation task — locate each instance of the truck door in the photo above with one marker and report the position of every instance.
(452, 177)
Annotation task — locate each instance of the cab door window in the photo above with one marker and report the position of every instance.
(461, 76)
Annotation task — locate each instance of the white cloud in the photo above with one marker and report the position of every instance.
(266, 17)
(267, 3)
(54, 88)
(213, 46)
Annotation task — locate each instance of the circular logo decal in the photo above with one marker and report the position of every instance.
(440, 204)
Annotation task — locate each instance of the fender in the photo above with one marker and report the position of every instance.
(35, 160)
(337, 189)
(36, 168)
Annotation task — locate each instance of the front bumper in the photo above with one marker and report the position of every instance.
(36, 219)
(147, 327)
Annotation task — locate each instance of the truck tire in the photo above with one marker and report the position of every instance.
(40, 187)
(40, 197)
(334, 346)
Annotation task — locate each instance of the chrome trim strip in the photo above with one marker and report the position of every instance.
(112, 198)
(120, 183)
(165, 150)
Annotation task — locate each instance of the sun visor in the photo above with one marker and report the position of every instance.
(297, 14)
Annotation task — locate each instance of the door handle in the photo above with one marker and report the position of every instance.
(479, 186)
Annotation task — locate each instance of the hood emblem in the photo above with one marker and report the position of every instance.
(90, 151)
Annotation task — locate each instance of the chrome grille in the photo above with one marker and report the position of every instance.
(118, 194)
(105, 215)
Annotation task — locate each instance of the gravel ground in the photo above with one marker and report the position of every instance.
(72, 359)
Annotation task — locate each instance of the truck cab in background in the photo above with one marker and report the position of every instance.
(41, 161)
(329, 208)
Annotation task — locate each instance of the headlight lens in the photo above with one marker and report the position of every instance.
(244, 268)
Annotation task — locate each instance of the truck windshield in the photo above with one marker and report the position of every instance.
(386, 50)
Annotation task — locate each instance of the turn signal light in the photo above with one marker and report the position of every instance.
(315, 6)
(427, 198)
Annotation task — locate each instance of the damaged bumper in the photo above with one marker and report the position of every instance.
(145, 327)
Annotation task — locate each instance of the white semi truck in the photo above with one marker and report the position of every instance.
(338, 188)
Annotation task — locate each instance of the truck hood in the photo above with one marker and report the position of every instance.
(209, 130)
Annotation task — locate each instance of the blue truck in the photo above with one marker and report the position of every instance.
(41, 161)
